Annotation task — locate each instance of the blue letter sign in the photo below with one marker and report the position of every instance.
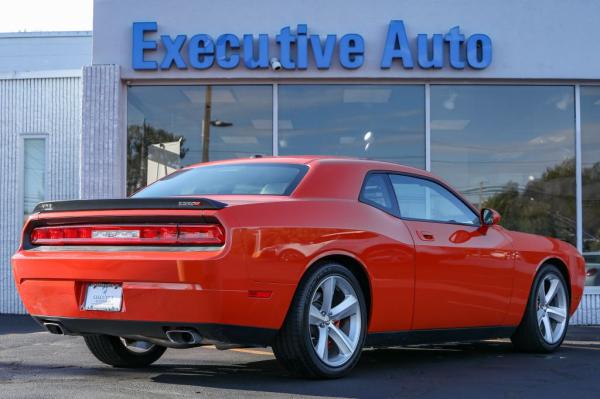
(396, 46)
(140, 45)
(295, 45)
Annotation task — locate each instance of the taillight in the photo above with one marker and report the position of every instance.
(174, 234)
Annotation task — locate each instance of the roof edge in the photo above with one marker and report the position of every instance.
(59, 73)
(46, 34)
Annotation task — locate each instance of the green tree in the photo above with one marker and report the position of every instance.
(591, 207)
(139, 137)
(544, 206)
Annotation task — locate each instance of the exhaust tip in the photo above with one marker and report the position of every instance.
(54, 328)
(184, 336)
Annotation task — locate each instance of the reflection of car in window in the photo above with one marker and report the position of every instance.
(317, 257)
(592, 268)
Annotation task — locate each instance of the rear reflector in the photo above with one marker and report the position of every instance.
(175, 234)
(259, 294)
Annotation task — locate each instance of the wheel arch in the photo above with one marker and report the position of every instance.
(356, 267)
(561, 266)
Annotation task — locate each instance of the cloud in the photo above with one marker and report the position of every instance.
(551, 139)
(449, 124)
(564, 102)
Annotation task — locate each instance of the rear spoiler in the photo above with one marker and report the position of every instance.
(130, 203)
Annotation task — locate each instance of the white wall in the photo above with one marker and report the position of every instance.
(49, 106)
(44, 51)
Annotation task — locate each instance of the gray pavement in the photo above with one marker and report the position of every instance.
(36, 364)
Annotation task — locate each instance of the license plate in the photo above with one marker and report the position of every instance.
(103, 297)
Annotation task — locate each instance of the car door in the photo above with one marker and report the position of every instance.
(464, 271)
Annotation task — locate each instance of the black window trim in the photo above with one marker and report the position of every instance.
(396, 208)
(394, 211)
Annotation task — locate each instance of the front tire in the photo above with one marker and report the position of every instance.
(546, 318)
(119, 352)
(324, 331)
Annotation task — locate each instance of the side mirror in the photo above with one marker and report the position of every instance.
(489, 217)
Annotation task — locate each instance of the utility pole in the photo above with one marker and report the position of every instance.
(480, 194)
(206, 124)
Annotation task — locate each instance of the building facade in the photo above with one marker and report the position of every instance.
(40, 128)
(501, 99)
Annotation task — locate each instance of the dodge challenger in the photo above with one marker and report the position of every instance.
(317, 257)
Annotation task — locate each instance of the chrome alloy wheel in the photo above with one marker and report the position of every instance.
(551, 308)
(137, 346)
(335, 321)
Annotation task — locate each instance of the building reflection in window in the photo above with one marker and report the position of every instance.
(590, 163)
(511, 148)
(384, 122)
(172, 126)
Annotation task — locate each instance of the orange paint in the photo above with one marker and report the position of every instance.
(422, 275)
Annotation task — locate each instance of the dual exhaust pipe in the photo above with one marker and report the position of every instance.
(184, 337)
(179, 337)
(55, 328)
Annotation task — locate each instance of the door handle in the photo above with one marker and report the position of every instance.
(425, 235)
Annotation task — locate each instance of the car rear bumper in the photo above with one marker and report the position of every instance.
(210, 292)
(156, 331)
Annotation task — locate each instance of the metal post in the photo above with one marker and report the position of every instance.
(206, 124)
(275, 119)
(428, 127)
(578, 162)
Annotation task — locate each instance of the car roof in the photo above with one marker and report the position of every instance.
(330, 176)
(321, 159)
(335, 176)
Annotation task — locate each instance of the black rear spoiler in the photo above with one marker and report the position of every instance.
(130, 203)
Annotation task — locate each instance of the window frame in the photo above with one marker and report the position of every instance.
(21, 169)
(396, 206)
(428, 83)
(395, 210)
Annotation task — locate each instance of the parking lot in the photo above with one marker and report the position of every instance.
(38, 364)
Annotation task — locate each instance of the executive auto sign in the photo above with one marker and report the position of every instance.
(297, 47)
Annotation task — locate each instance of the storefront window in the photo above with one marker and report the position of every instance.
(511, 148)
(590, 163)
(384, 122)
(173, 126)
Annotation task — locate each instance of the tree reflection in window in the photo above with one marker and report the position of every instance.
(544, 206)
(510, 148)
(151, 148)
(174, 126)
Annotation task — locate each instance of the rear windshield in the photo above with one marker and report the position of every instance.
(230, 179)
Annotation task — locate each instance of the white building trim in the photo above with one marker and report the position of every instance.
(61, 73)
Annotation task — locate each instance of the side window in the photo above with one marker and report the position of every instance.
(375, 192)
(425, 200)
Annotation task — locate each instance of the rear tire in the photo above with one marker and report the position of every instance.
(546, 317)
(112, 351)
(324, 331)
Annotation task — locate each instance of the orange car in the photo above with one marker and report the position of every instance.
(317, 257)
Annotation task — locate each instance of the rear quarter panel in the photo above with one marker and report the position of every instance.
(283, 239)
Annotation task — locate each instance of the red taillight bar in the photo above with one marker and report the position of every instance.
(174, 234)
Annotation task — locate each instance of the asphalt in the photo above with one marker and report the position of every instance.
(35, 364)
